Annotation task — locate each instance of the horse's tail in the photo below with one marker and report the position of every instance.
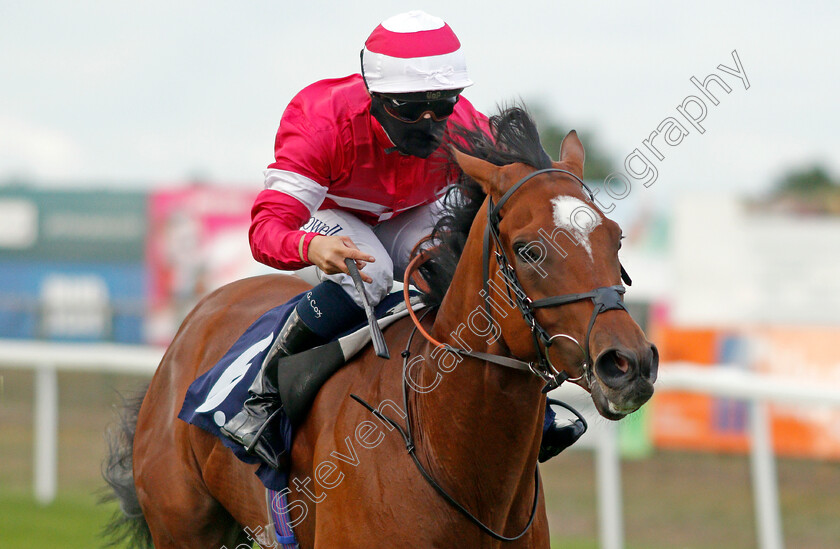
(127, 525)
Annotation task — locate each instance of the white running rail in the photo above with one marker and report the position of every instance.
(46, 359)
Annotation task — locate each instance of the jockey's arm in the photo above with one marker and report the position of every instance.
(277, 241)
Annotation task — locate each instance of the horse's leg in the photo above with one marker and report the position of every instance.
(214, 501)
(178, 508)
(206, 525)
(235, 486)
(302, 511)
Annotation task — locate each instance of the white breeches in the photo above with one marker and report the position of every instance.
(390, 242)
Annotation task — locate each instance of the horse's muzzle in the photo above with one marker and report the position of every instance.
(624, 378)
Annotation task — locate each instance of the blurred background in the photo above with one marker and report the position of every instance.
(132, 142)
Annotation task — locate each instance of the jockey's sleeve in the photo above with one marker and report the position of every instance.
(296, 185)
(275, 237)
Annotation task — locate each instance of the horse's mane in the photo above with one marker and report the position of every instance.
(513, 138)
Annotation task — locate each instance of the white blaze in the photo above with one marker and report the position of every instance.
(575, 216)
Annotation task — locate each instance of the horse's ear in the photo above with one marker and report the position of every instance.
(486, 174)
(571, 153)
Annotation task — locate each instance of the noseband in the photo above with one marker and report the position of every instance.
(604, 299)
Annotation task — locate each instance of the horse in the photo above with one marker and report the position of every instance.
(496, 278)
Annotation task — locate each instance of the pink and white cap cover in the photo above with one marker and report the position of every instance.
(414, 52)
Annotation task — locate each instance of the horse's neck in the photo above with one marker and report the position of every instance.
(484, 417)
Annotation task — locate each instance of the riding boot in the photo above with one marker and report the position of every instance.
(557, 438)
(250, 427)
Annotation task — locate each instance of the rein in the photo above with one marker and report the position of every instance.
(500, 360)
(408, 439)
(604, 299)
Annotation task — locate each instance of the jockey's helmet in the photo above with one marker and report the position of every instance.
(414, 69)
(413, 52)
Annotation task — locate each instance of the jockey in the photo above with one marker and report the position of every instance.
(354, 177)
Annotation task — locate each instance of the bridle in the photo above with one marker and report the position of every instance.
(605, 299)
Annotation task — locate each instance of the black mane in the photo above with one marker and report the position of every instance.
(514, 138)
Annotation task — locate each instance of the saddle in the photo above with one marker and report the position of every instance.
(300, 376)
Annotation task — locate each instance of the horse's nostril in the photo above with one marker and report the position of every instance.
(622, 363)
(652, 369)
(614, 368)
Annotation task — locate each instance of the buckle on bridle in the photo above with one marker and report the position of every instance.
(555, 380)
(552, 380)
(531, 320)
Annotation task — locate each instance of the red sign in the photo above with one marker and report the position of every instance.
(198, 241)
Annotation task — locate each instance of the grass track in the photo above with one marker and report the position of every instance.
(72, 522)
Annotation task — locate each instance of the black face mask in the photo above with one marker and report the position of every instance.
(420, 138)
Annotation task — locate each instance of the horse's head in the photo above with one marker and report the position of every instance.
(556, 243)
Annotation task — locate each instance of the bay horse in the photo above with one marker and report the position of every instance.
(476, 424)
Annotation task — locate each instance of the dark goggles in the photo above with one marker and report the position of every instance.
(412, 107)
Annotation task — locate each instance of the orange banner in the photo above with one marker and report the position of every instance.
(701, 422)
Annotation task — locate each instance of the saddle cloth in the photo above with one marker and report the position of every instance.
(219, 393)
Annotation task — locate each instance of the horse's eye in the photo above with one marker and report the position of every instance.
(528, 253)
